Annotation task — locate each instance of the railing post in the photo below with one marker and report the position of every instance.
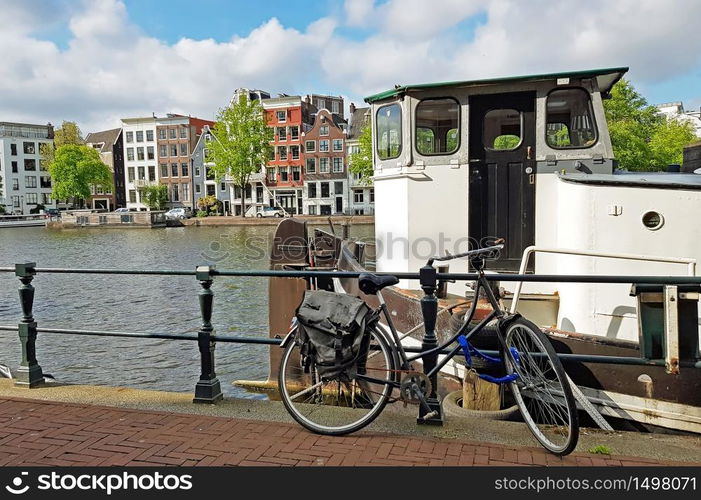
(429, 310)
(208, 389)
(29, 373)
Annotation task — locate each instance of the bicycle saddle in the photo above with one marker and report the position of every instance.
(370, 284)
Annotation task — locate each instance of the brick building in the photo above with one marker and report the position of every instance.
(325, 175)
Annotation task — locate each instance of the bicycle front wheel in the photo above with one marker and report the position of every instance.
(340, 404)
(542, 390)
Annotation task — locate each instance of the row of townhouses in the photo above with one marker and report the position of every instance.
(307, 172)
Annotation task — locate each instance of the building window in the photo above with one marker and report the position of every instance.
(310, 146)
(45, 199)
(43, 165)
(130, 174)
(139, 136)
(294, 150)
(173, 169)
(335, 107)
(324, 130)
(389, 131)
(502, 129)
(15, 184)
(142, 173)
(176, 193)
(183, 135)
(281, 116)
(13, 149)
(324, 209)
(183, 149)
(186, 190)
(324, 189)
(338, 144)
(271, 175)
(31, 198)
(311, 190)
(30, 165)
(358, 197)
(312, 209)
(197, 172)
(140, 154)
(323, 165)
(130, 136)
(162, 134)
(29, 148)
(324, 146)
(184, 169)
(222, 186)
(198, 189)
(172, 134)
(173, 150)
(338, 187)
(14, 167)
(296, 174)
(45, 182)
(149, 135)
(311, 165)
(259, 194)
(294, 133)
(163, 150)
(372, 195)
(283, 174)
(151, 173)
(437, 126)
(150, 153)
(338, 164)
(570, 121)
(132, 196)
(164, 170)
(282, 152)
(130, 154)
(282, 133)
(211, 189)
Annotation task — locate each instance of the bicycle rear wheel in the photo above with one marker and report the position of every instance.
(340, 404)
(541, 390)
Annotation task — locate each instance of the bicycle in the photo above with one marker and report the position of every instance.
(345, 403)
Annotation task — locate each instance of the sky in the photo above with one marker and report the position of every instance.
(96, 61)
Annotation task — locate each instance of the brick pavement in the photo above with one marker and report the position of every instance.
(38, 433)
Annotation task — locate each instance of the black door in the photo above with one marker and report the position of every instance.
(502, 173)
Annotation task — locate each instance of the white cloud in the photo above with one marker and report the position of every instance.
(112, 69)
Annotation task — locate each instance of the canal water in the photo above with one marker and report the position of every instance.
(140, 303)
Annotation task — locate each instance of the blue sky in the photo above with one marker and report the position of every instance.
(95, 61)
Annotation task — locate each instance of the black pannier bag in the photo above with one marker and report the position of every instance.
(331, 327)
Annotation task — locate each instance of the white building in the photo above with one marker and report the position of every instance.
(24, 180)
(139, 158)
(676, 110)
(361, 198)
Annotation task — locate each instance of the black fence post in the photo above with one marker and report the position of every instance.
(429, 310)
(29, 373)
(208, 388)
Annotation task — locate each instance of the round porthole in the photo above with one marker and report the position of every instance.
(653, 220)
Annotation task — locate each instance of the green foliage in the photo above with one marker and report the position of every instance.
(74, 169)
(361, 161)
(642, 139)
(154, 196)
(202, 213)
(2, 208)
(506, 142)
(600, 450)
(241, 143)
(68, 134)
(210, 205)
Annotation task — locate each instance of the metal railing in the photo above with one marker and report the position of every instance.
(208, 387)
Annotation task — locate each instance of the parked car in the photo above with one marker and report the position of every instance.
(271, 212)
(121, 210)
(52, 212)
(179, 213)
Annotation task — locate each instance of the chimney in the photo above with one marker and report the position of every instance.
(352, 108)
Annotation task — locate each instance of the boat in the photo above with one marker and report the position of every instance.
(528, 159)
(23, 220)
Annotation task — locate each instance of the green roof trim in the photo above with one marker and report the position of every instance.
(607, 78)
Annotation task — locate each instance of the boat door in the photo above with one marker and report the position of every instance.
(502, 173)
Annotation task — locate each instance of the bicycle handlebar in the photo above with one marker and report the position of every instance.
(470, 253)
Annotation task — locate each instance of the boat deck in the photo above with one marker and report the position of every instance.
(133, 427)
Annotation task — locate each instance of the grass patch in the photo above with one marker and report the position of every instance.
(600, 450)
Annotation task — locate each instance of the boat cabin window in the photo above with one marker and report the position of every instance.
(389, 131)
(437, 126)
(570, 121)
(502, 129)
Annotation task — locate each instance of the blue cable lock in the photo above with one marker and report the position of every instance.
(469, 351)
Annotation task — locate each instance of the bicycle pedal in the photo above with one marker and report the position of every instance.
(430, 415)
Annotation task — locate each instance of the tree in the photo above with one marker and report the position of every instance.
(642, 138)
(68, 133)
(209, 204)
(241, 144)
(361, 160)
(154, 196)
(74, 169)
